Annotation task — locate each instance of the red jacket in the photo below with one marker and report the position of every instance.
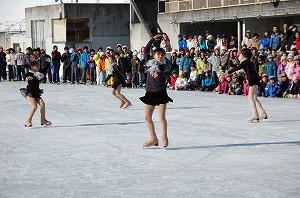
(297, 42)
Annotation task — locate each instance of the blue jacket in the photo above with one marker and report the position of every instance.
(265, 42)
(74, 59)
(270, 68)
(84, 59)
(272, 90)
(182, 44)
(207, 81)
(185, 64)
(203, 45)
(275, 42)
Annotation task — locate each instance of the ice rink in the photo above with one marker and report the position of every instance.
(94, 149)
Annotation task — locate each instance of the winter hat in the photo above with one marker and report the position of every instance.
(293, 47)
(270, 56)
(264, 75)
(200, 37)
(296, 57)
(273, 78)
(72, 50)
(210, 37)
(234, 49)
(124, 47)
(290, 56)
(101, 54)
(119, 45)
(135, 53)
(283, 57)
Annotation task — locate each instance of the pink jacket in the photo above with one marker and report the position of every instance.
(297, 70)
(223, 86)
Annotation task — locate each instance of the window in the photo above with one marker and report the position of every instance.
(37, 33)
(78, 30)
(59, 30)
(161, 6)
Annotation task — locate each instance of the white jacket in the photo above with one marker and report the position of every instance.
(181, 83)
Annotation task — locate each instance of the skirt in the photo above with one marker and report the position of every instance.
(37, 94)
(156, 98)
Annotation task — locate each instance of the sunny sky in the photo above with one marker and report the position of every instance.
(14, 10)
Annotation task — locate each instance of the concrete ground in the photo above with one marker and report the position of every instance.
(94, 149)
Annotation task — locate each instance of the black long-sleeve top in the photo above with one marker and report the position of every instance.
(160, 83)
(252, 74)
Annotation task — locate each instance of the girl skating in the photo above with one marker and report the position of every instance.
(33, 95)
(258, 112)
(156, 93)
(115, 72)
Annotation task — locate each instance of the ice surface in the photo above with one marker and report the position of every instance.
(95, 149)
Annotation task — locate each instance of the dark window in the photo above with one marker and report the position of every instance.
(78, 30)
(162, 6)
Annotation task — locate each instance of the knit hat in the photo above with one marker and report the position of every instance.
(290, 56)
(134, 53)
(234, 49)
(264, 75)
(270, 56)
(273, 78)
(101, 54)
(72, 50)
(283, 57)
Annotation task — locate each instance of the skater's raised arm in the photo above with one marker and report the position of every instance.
(156, 38)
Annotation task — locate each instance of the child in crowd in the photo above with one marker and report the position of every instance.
(84, 58)
(270, 66)
(246, 86)
(283, 84)
(135, 65)
(33, 94)
(223, 84)
(193, 81)
(75, 62)
(201, 64)
(272, 89)
(156, 93)
(92, 66)
(262, 85)
(181, 82)
(235, 86)
(114, 71)
(261, 65)
(297, 66)
(100, 68)
(173, 80)
(289, 69)
(282, 65)
(294, 88)
(208, 82)
(66, 60)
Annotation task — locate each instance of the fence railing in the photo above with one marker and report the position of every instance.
(169, 6)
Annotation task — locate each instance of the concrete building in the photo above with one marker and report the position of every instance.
(13, 39)
(77, 25)
(194, 17)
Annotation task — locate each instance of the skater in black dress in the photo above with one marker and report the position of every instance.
(33, 94)
(258, 112)
(158, 70)
(115, 72)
